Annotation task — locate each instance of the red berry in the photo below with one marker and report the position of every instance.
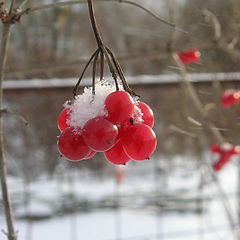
(189, 56)
(119, 106)
(90, 155)
(139, 141)
(215, 148)
(117, 155)
(147, 112)
(236, 150)
(71, 144)
(230, 97)
(227, 98)
(100, 134)
(63, 118)
(223, 160)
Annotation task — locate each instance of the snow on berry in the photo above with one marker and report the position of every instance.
(103, 119)
(86, 106)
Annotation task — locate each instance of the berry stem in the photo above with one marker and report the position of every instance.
(94, 24)
(84, 70)
(94, 72)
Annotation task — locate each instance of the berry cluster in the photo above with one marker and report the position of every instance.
(225, 151)
(123, 133)
(230, 97)
(189, 56)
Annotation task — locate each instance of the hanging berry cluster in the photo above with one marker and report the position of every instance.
(117, 124)
(225, 153)
(107, 117)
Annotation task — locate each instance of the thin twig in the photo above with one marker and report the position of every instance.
(179, 130)
(196, 101)
(219, 41)
(213, 20)
(101, 65)
(20, 117)
(120, 73)
(94, 24)
(68, 3)
(94, 72)
(24, 2)
(12, 5)
(111, 68)
(84, 70)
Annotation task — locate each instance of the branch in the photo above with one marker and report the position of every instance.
(19, 116)
(24, 2)
(219, 40)
(68, 3)
(11, 7)
(3, 168)
(213, 20)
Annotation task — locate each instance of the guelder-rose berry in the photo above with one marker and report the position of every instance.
(63, 118)
(119, 106)
(71, 144)
(147, 112)
(117, 155)
(139, 142)
(225, 152)
(189, 56)
(215, 148)
(230, 97)
(100, 134)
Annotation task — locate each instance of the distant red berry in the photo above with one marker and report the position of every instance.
(225, 152)
(190, 56)
(230, 97)
(215, 148)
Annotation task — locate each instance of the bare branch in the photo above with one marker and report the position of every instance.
(219, 40)
(213, 20)
(3, 168)
(68, 3)
(215, 132)
(179, 130)
(196, 101)
(11, 7)
(19, 116)
(24, 2)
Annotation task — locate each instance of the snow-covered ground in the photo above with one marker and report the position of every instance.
(136, 218)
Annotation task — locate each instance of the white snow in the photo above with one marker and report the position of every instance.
(134, 220)
(87, 106)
